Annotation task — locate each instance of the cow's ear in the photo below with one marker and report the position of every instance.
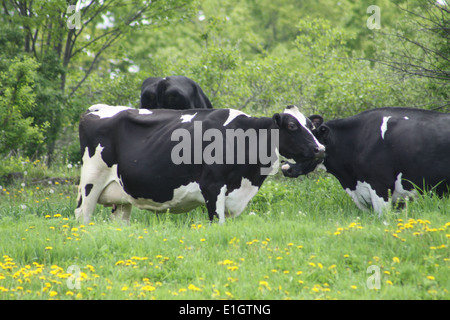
(277, 119)
(323, 131)
(316, 120)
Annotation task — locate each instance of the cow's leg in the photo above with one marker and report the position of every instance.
(215, 202)
(122, 212)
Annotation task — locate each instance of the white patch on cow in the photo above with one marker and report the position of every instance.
(104, 111)
(383, 127)
(187, 117)
(364, 196)
(145, 111)
(96, 172)
(237, 200)
(233, 114)
(400, 192)
(293, 111)
(406, 118)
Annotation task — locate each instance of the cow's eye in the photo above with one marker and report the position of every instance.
(292, 126)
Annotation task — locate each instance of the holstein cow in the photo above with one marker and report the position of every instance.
(384, 151)
(176, 92)
(177, 160)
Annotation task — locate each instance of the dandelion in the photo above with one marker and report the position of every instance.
(396, 260)
(48, 248)
(431, 277)
(353, 287)
(53, 293)
(194, 288)
(148, 288)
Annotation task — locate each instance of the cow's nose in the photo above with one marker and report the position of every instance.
(319, 151)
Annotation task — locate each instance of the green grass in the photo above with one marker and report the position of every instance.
(298, 239)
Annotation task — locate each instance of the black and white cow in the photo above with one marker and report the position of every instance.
(175, 92)
(384, 151)
(179, 159)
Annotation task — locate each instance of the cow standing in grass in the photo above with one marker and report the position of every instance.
(382, 152)
(174, 160)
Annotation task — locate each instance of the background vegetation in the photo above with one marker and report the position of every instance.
(299, 238)
(257, 56)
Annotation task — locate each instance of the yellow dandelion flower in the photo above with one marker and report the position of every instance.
(148, 288)
(431, 277)
(396, 260)
(194, 288)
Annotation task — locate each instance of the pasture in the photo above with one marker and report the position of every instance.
(298, 239)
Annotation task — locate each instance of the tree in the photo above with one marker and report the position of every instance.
(16, 100)
(69, 39)
(420, 48)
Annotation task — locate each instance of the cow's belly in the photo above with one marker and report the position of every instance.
(185, 198)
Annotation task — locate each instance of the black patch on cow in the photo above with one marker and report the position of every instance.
(79, 202)
(88, 188)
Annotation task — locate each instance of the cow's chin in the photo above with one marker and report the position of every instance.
(293, 170)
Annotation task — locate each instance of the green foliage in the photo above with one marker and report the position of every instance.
(17, 100)
(256, 56)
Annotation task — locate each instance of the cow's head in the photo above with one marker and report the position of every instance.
(296, 141)
(292, 170)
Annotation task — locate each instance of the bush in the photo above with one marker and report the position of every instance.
(18, 98)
